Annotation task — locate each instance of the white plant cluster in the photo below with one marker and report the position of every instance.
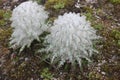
(28, 21)
(71, 39)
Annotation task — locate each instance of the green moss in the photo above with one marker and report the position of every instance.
(4, 17)
(7, 15)
(1, 14)
(89, 16)
(5, 35)
(58, 4)
(38, 1)
(46, 74)
(5, 30)
(2, 22)
(115, 1)
(98, 26)
(116, 35)
(88, 9)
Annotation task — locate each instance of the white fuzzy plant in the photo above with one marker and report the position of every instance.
(28, 22)
(71, 39)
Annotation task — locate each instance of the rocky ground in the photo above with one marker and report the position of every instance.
(104, 16)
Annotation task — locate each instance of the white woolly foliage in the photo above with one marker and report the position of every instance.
(28, 21)
(71, 39)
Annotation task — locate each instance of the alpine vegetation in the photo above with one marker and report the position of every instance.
(28, 21)
(71, 39)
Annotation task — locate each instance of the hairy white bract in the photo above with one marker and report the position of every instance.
(28, 21)
(71, 39)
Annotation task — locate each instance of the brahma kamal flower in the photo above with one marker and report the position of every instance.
(28, 22)
(71, 39)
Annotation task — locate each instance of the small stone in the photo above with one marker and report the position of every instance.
(103, 73)
(26, 59)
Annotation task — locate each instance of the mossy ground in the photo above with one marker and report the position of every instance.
(115, 1)
(5, 29)
(30, 66)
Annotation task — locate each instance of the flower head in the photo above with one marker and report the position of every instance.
(71, 39)
(28, 21)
